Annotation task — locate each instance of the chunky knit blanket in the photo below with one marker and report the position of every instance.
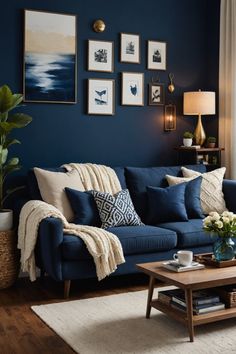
(97, 177)
(104, 247)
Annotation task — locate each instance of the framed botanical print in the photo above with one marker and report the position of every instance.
(132, 89)
(129, 48)
(101, 96)
(156, 58)
(156, 94)
(50, 55)
(100, 56)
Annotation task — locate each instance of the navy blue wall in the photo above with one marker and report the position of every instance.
(134, 136)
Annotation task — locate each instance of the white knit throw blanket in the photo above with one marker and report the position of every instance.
(97, 177)
(104, 246)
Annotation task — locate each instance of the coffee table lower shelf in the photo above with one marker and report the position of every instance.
(197, 319)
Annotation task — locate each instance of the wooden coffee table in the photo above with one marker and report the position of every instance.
(188, 281)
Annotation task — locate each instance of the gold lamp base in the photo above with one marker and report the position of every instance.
(199, 133)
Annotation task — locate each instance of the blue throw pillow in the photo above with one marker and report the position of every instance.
(84, 207)
(192, 199)
(166, 204)
(116, 210)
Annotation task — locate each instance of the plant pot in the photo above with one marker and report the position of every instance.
(211, 145)
(9, 258)
(6, 219)
(187, 142)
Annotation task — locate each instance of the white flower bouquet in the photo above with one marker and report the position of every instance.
(223, 225)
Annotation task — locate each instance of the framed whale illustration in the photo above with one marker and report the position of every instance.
(101, 96)
(132, 89)
(50, 57)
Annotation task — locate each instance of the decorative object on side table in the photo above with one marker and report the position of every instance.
(199, 103)
(156, 55)
(211, 142)
(132, 89)
(50, 57)
(187, 139)
(9, 259)
(100, 56)
(101, 96)
(129, 48)
(224, 227)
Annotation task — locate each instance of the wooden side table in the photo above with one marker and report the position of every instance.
(192, 155)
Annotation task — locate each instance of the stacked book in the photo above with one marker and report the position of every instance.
(203, 300)
(176, 267)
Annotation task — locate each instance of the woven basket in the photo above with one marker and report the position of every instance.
(9, 258)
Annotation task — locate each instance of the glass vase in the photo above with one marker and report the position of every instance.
(224, 249)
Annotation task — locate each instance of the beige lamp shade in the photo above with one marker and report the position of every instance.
(199, 103)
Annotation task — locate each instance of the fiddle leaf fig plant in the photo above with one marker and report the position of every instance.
(8, 122)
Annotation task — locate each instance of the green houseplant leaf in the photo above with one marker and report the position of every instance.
(8, 101)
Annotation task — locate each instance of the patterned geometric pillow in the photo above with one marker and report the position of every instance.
(116, 210)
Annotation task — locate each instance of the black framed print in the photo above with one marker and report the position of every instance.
(129, 48)
(132, 89)
(156, 94)
(100, 56)
(50, 57)
(156, 56)
(101, 96)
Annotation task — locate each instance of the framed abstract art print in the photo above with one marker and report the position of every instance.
(50, 55)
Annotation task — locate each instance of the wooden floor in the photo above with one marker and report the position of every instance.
(22, 332)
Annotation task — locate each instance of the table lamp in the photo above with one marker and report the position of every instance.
(199, 103)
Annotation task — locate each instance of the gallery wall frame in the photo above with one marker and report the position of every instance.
(156, 55)
(132, 89)
(130, 48)
(100, 55)
(50, 57)
(101, 96)
(156, 94)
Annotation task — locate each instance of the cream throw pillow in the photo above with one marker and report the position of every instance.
(52, 188)
(212, 197)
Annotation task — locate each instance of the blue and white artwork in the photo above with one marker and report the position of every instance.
(101, 96)
(50, 57)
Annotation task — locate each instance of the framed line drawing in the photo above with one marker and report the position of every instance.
(156, 94)
(50, 57)
(129, 48)
(100, 56)
(101, 96)
(156, 55)
(132, 89)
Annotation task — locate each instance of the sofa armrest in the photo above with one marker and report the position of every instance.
(48, 247)
(229, 190)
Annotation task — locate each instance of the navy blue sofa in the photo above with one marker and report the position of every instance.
(65, 257)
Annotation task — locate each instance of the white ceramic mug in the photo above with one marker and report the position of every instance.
(184, 258)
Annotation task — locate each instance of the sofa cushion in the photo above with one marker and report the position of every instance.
(192, 194)
(138, 178)
(166, 204)
(134, 240)
(189, 233)
(212, 197)
(84, 207)
(117, 209)
(52, 185)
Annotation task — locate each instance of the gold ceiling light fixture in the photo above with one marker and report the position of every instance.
(99, 26)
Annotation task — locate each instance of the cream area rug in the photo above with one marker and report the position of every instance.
(116, 324)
